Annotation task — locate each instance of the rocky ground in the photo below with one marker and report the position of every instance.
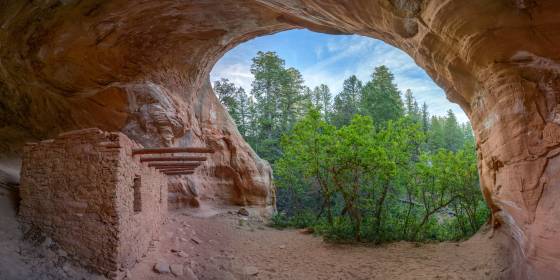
(217, 243)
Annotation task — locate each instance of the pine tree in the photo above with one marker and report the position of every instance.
(454, 136)
(306, 102)
(252, 130)
(411, 106)
(346, 103)
(409, 102)
(289, 97)
(425, 118)
(268, 70)
(436, 137)
(321, 98)
(243, 110)
(468, 132)
(228, 94)
(279, 95)
(381, 99)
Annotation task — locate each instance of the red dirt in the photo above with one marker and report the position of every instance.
(236, 247)
(230, 249)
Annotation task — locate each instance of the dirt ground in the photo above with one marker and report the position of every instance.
(221, 244)
(217, 243)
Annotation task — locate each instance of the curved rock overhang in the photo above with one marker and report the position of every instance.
(142, 67)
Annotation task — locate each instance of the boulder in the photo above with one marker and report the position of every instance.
(243, 212)
(177, 269)
(162, 267)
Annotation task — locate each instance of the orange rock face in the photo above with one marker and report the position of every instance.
(141, 67)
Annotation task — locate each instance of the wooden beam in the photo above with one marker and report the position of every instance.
(171, 167)
(175, 169)
(155, 159)
(169, 150)
(175, 173)
(176, 166)
(173, 164)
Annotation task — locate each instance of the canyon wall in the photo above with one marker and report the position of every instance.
(142, 67)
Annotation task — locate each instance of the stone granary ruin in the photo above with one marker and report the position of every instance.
(99, 195)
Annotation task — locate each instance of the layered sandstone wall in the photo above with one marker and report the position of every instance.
(110, 72)
(78, 189)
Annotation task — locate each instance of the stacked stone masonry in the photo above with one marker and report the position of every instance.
(79, 189)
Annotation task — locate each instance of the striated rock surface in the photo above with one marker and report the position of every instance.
(141, 67)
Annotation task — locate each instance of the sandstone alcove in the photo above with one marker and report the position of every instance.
(141, 67)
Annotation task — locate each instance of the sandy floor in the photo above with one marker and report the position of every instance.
(234, 248)
(220, 244)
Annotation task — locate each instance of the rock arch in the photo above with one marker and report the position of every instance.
(142, 67)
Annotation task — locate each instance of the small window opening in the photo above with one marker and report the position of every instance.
(137, 195)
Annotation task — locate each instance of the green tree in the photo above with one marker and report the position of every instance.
(425, 118)
(322, 99)
(289, 97)
(236, 102)
(268, 71)
(243, 112)
(398, 140)
(252, 130)
(305, 103)
(380, 98)
(346, 103)
(304, 164)
(449, 195)
(436, 134)
(468, 133)
(227, 94)
(453, 134)
(355, 157)
(278, 92)
(411, 106)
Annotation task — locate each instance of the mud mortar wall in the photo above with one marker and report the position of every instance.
(78, 190)
(138, 229)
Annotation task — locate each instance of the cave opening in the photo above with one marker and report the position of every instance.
(279, 87)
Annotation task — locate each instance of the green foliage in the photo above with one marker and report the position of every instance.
(321, 99)
(298, 220)
(347, 102)
(411, 106)
(369, 186)
(366, 166)
(279, 93)
(446, 133)
(232, 98)
(380, 97)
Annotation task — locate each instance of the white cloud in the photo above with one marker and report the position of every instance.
(374, 53)
(343, 56)
(319, 52)
(238, 72)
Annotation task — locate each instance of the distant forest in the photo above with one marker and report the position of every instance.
(370, 164)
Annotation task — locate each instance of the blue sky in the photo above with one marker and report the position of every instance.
(330, 59)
